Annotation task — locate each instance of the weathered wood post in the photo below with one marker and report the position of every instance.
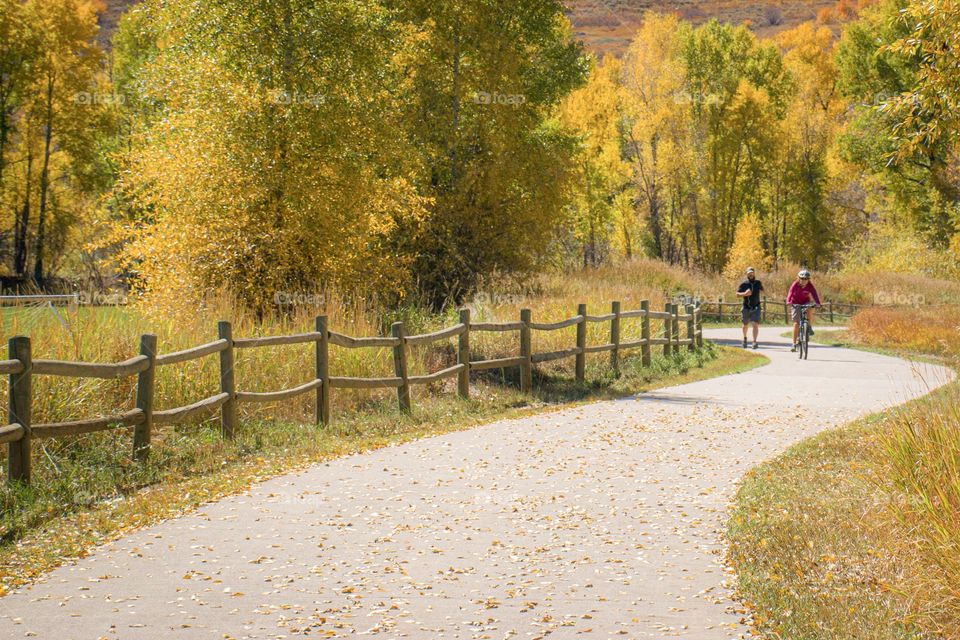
(228, 411)
(691, 330)
(615, 339)
(667, 330)
(720, 309)
(463, 355)
(699, 326)
(526, 352)
(581, 362)
(19, 399)
(322, 410)
(763, 313)
(830, 305)
(645, 333)
(400, 366)
(143, 432)
(676, 329)
(786, 313)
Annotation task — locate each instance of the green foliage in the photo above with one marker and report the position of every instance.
(484, 78)
(909, 150)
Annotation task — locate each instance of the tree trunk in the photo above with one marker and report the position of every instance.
(22, 223)
(654, 199)
(455, 109)
(44, 185)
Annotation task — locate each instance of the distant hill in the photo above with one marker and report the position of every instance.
(607, 26)
(110, 18)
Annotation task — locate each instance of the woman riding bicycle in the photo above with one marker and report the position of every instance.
(802, 292)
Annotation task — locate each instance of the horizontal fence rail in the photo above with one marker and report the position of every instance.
(775, 311)
(20, 367)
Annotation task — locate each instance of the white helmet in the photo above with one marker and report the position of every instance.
(804, 274)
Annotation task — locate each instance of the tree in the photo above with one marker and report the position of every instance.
(928, 114)
(17, 51)
(61, 95)
(747, 249)
(594, 113)
(740, 90)
(802, 225)
(483, 80)
(655, 127)
(911, 184)
(276, 161)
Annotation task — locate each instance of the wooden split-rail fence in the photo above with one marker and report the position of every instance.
(774, 311)
(21, 368)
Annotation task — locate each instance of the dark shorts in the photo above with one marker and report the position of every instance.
(751, 315)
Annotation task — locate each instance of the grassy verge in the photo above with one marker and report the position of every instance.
(90, 493)
(854, 533)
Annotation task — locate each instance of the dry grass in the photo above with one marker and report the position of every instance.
(920, 458)
(95, 494)
(933, 331)
(88, 474)
(856, 533)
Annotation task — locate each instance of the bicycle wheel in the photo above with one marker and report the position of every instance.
(802, 341)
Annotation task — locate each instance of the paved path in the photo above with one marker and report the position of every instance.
(594, 522)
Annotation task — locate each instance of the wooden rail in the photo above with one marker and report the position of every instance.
(774, 311)
(144, 416)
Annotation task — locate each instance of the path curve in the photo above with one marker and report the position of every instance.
(600, 521)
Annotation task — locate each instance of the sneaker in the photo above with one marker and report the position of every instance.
(744, 343)
(756, 345)
(793, 349)
(810, 332)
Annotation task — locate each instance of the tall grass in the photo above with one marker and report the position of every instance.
(921, 455)
(934, 331)
(112, 334)
(918, 465)
(856, 532)
(77, 472)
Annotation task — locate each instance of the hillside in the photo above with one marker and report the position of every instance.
(110, 18)
(606, 26)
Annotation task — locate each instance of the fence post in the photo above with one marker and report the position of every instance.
(786, 315)
(526, 369)
(615, 339)
(581, 363)
(19, 399)
(763, 306)
(145, 386)
(676, 329)
(228, 412)
(830, 304)
(645, 333)
(691, 331)
(322, 415)
(720, 309)
(463, 355)
(667, 330)
(400, 366)
(699, 320)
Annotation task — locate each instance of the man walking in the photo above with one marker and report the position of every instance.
(750, 290)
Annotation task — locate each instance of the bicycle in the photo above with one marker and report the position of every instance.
(803, 336)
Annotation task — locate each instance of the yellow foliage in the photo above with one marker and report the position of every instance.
(262, 189)
(747, 249)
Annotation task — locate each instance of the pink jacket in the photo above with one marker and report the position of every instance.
(801, 295)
